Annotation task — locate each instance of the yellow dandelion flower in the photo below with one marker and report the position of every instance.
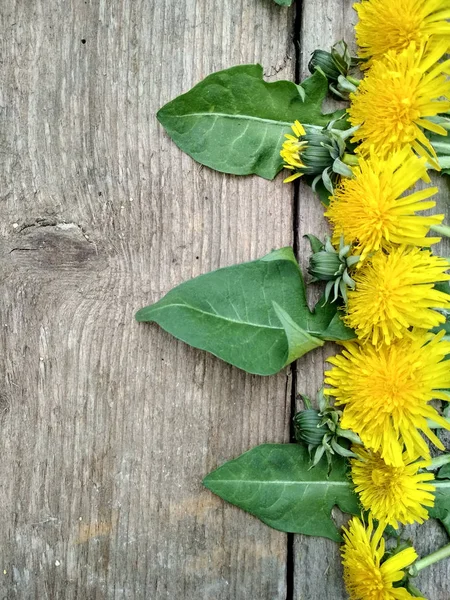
(393, 103)
(392, 494)
(385, 25)
(366, 575)
(370, 210)
(394, 292)
(292, 150)
(385, 391)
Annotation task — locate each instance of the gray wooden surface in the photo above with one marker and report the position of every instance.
(107, 426)
(317, 566)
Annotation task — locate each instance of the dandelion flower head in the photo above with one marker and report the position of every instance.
(366, 575)
(385, 391)
(385, 25)
(370, 210)
(392, 494)
(394, 102)
(292, 150)
(394, 292)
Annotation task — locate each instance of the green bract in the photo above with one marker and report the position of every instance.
(308, 428)
(331, 265)
(323, 60)
(274, 482)
(333, 64)
(320, 430)
(336, 66)
(234, 121)
(254, 315)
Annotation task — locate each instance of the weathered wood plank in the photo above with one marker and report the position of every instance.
(318, 572)
(108, 426)
(434, 582)
(317, 569)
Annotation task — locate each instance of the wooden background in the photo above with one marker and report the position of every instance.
(108, 426)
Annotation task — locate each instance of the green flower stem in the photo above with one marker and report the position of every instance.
(441, 229)
(432, 558)
(414, 591)
(352, 160)
(438, 461)
(354, 80)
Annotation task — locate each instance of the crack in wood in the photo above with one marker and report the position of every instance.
(290, 556)
(46, 222)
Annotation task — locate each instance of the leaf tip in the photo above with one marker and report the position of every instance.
(206, 482)
(141, 315)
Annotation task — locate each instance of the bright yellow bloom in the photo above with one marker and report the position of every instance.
(394, 292)
(392, 494)
(292, 150)
(386, 25)
(394, 101)
(386, 391)
(370, 211)
(366, 575)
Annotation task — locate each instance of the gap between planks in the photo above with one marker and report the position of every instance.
(290, 560)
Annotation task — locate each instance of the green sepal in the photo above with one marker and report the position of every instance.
(316, 244)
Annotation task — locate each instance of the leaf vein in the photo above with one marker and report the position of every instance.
(259, 325)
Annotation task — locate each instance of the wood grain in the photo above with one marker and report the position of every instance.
(317, 565)
(433, 582)
(108, 426)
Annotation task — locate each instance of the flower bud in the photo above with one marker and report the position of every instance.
(342, 58)
(333, 64)
(311, 153)
(320, 430)
(325, 266)
(323, 60)
(317, 152)
(332, 265)
(307, 427)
